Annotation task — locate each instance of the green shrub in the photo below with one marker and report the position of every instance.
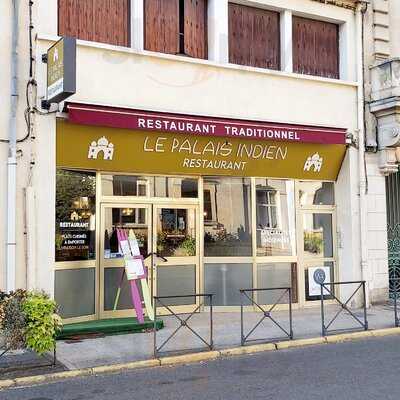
(12, 319)
(28, 320)
(42, 322)
(189, 245)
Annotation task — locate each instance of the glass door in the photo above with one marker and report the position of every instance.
(135, 220)
(167, 237)
(176, 243)
(318, 250)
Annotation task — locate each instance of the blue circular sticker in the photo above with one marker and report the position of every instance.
(319, 276)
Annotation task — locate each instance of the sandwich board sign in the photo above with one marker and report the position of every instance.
(61, 70)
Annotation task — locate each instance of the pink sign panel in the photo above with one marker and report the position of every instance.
(202, 126)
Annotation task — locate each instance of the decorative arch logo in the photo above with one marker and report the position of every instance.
(314, 162)
(102, 146)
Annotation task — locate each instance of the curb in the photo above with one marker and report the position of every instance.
(190, 358)
(300, 343)
(195, 357)
(237, 351)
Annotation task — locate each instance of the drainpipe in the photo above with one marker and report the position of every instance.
(12, 157)
(361, 9)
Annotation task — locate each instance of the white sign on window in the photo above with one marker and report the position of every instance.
(316, 276)
(134, 268)
(271, 236)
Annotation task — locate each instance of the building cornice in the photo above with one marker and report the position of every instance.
(347, 4)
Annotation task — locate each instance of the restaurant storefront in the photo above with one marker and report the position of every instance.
(216, 205)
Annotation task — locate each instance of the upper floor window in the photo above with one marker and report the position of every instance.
(254, 37)
(104, 21)
(315, 48)
(176, 27)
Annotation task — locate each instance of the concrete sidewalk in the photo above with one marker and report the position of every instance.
(139, 346)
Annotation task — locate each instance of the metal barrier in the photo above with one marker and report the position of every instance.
(183, 322)
(266, 313)
(343, 306)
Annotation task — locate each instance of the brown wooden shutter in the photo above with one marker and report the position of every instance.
(254, 37)
(161, 27)
(195, 28)
(315, 48)
(105, 21)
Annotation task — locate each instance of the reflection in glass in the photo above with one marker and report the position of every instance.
(74, 291)
(275, 214)
(316, 193)
(75, 215)
(174, 281)
(176, 232)
(318, 239)
(227, 217)
(149, 186)
(276, 275)
(112, 281)
(225, 280)
(133, 220)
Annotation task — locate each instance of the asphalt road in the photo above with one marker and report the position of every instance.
(367, 369)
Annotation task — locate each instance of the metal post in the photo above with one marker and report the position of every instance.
(322, 309)
(396, 318)
(365, 307)
(241, 318)
(55, 355)
(211, 322)
(290, 313)
(155, 327)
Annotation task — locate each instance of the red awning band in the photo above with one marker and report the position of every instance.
(204, 126)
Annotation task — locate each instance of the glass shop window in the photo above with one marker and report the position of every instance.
(227, 217)
(318, 235)
(75, 215)
(275, 216)
(316, 193)
(149, 186)
(176, 232)
(134, 220)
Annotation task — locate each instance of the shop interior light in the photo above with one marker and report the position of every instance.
(127, 211)
(86, 214)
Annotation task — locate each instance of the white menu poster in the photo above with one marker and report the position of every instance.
(133, 268)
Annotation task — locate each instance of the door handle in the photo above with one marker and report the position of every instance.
(157, 255)
(162, 258)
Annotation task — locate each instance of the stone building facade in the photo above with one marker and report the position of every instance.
(335, 220)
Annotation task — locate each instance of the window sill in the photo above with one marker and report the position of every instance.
(190, 60)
